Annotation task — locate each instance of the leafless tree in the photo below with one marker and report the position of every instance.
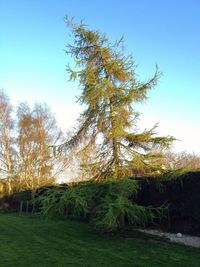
(37, 131)
(7, 168)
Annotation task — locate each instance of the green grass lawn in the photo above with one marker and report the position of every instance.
(31, 241)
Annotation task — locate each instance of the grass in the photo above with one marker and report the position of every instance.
(31, 241)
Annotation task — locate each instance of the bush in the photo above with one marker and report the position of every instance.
(107, 205)
(64, 202)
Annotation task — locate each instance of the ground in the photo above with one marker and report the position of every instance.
(31, 241)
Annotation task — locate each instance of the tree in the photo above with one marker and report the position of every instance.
(109, 89)
(7, 168)
(181, 161)
(85, 157)
(36, 131)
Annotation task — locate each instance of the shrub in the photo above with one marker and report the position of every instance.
(73, 201)
(107, 205)
(117, 208)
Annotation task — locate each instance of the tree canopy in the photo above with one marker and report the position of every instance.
(110, 87)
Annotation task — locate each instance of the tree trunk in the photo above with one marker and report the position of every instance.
(8, 160)
(115, 152)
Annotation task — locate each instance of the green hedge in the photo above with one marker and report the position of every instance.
(182, 195)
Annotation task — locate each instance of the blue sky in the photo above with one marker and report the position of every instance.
(33, 37)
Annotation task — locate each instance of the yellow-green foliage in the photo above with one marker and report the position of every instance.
(109, 89)
(109, 205)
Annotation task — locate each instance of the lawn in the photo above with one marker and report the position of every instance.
(31, 241)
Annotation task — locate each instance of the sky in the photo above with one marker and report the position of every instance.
(33, 39)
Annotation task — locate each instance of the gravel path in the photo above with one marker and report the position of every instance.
(188, 240)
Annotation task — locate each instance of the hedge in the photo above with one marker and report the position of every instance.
(181, 194)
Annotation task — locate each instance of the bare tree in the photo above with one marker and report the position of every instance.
(181, 160)
(37, 130)
(6, 142)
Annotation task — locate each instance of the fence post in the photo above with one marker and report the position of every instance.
(27, 204)
(21, 206)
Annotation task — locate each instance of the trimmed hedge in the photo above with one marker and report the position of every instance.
(182, 196)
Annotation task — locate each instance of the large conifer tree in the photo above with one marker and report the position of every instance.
(109, 90)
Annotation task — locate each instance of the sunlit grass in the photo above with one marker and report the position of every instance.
(31, 241)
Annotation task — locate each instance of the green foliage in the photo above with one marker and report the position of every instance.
(50, 203)
(117, 208)
(57, 202)
(112, 212)
(108, 205)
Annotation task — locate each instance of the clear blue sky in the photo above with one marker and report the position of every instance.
(33, 36)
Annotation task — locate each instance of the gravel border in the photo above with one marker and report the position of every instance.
(193, 241)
